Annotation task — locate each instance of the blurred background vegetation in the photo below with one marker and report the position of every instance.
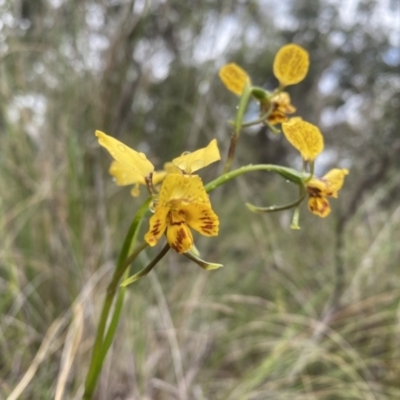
(309, 314)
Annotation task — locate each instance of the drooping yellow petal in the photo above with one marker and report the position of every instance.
(304, 136)
(234, 78)
(126, 156)
(319, 206)
(192, 162)
(125, 176)
(334, 179)
(179, 236)
(158, 224)
(201, 218)
(291, 64)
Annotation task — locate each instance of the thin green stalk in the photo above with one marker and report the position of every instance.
(148, 267)
(257, 121)
(124, 261)
(98, 355)
(311, 171)
(261, 210)
(114, 320)
(111, 291)
(244, 100)
(296, 214)
(287, 173)
(262, 118)
(118, 303)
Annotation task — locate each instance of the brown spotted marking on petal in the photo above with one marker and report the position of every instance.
(156, 229)
(208, 225)
(171, 220)
(178, 233)
(180, 236)
(207, 228)
(313, 191)
(182, 240)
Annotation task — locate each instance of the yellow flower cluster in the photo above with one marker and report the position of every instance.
(182, 202)
(290, 67)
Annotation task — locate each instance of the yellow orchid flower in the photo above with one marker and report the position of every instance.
(234, 78)
(321, 188)
(305, 137)
(183, 203)
(281, 106)
(291, 64)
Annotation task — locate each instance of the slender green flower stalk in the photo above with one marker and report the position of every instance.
(244, 101)
(104, 339)
(146, 269)
(287, 173)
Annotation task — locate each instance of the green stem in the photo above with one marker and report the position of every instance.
(311, 171)
(257, 121)
(100, 348)
(146, 269)
(114, 321)
(302, 195)
(287, 173)
(98, 353)
(112, 288)
(296, 214)
(244, 100)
